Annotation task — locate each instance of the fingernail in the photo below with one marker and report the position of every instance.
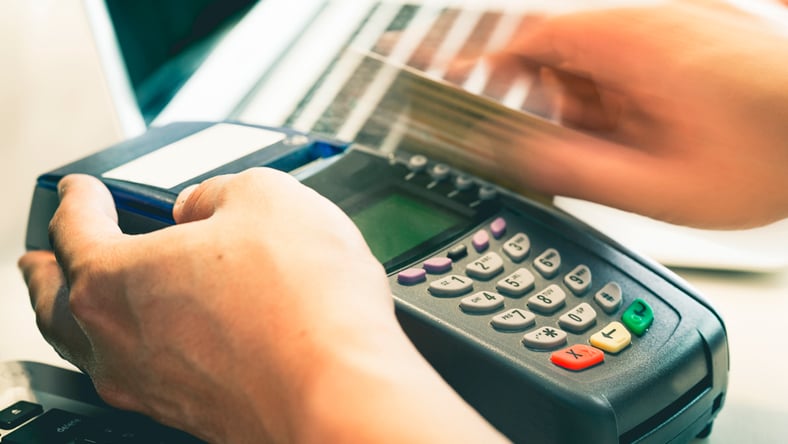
(185, 193)
(181, 200)
(61, 188)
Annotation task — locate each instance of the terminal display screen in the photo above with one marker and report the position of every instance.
(398, 222)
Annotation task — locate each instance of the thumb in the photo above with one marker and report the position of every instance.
(85, 218)
(576, 165)
(597, 44)
(200, 201)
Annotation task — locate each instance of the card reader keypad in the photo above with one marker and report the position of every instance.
(565, 314)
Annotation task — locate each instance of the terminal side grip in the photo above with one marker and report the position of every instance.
(44, 203)
(138, 211)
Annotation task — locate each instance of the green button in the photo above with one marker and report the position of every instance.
(638, 317)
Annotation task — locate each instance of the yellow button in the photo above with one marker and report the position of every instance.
(612, 339)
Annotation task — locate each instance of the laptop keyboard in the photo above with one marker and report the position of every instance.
(61, 426)
(43, 404)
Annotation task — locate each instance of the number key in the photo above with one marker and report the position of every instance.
(514, 319)
(485, 266)
(451, 285)
(482, 302)
(517, 247)
(548, 300)
(579, 279)
(517, 283)
(579, 319)
(548, 262)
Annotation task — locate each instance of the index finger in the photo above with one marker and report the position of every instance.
(49, 298)
(85, 217)
(636, 42)
(606, 44)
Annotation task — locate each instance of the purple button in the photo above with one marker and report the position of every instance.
(498, 227)
(437, 265)
(481, 240)
(411, 276)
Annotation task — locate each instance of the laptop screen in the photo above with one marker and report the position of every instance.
(158, 44)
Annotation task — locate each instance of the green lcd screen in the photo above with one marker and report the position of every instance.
(397, 223)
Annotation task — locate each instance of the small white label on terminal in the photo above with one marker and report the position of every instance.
(194, 155)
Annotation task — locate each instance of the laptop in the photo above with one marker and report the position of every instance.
(299, 78)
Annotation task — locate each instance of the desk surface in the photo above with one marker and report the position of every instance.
(51, 119)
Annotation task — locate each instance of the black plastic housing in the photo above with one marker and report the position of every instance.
(667, 386)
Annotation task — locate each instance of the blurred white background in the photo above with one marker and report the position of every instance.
(54, 107)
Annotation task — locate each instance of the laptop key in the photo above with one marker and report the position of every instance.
(130, 429)
(53, 427)
(17, 413)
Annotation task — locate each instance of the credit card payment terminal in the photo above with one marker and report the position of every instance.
(553, 332)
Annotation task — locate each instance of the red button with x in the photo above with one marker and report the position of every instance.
(577, 357)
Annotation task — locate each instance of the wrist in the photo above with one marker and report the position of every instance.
(388, 394)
